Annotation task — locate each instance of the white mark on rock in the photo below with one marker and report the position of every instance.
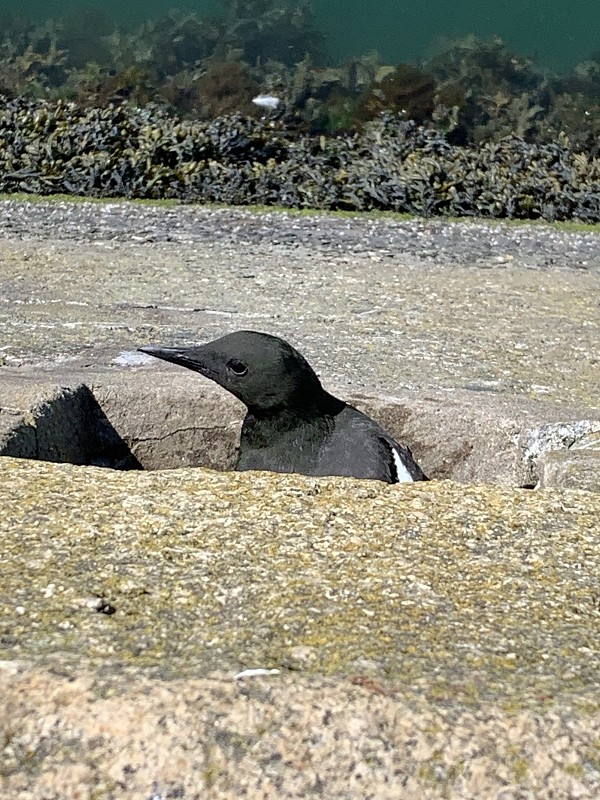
(254, 673)
(131, 358)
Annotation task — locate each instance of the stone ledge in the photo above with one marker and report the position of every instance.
(162, 418)
(131, 738)
(573, 469)
(458, 625)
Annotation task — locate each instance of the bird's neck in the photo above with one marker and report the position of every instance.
(294, 414)
(286, 440)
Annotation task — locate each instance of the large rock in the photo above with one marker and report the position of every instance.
(434, 640)
(84, 735)
(157, 418)
(579, 469)
(458, 625)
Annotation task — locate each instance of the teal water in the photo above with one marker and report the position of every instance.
(559, 33)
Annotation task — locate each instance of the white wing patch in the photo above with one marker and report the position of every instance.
(402, 474)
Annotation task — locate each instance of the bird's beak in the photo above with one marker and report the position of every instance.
(177, 355)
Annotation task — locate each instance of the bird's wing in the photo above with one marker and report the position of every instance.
(357, 446)
(402, 465)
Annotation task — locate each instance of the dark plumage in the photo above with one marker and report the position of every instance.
(293, 424)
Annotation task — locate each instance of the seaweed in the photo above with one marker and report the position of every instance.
(226, 88)
(392, 164)
(271, 29)
(407, 90)
(474, 91)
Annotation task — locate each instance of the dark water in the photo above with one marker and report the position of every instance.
(558, 33)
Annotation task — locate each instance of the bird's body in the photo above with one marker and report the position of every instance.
(329, 444)
(293, 424)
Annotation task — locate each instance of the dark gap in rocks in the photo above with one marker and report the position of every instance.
(71, 428)
(108, 448)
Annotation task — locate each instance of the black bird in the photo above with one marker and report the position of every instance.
(293, 424)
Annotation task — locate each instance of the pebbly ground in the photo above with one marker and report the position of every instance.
(374, 303)
(482, 244)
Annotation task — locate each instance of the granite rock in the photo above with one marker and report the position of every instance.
(434, 639)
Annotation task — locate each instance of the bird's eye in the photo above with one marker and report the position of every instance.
(238, 368)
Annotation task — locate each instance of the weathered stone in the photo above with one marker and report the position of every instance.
(171, 421)
(45, 420)
(479, 436)
(161, 418)
(458, 625)
(128, 737)
(434, 640)
(59, 421)
(572, 469)
(241, 558)
(375, 304)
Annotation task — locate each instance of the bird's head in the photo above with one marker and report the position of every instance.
(263, 371)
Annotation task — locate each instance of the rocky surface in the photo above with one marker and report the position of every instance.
(128, 737)
(484, 333)
(460, 627)
(161, 418)
(485, 245)
(209, 570)
(438, 640)
(375, 304)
